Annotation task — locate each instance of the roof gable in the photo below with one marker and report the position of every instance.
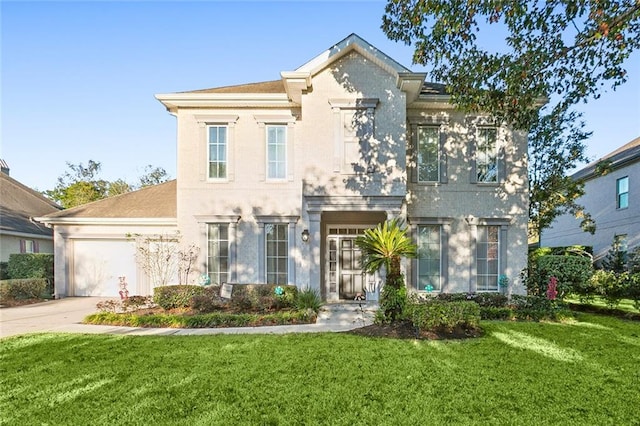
(349, 44)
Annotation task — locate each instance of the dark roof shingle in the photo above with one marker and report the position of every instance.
(158, 201)
(19, 203)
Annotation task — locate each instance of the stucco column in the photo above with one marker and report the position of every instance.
(314, 251)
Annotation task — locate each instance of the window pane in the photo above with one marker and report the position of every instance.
(276, 152)
(488, 258)
(428, 154)
(487, 156)
(217, 152)
(277, 253)
(428, 258)
(218, 255)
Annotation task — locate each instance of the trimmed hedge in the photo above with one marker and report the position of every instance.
(27, 288)
(176, 296)
(496, 306)
(444, 316)
(31, 265)
(263, 297)
(213, 320)
(572, 272)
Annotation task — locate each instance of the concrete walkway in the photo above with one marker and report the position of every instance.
(65, 316)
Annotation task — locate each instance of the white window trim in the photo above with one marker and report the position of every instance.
(438, 150)
(618, 193)
(496, 153)
(291, 221)
(286, 153)
(232, 222)
(226, 156)
(283, 119)
(204, 122)
(445, 230)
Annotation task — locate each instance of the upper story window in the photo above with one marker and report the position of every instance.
(217, 152)
(276, 152)
(428, 154)
(487, 155)
(622, 192)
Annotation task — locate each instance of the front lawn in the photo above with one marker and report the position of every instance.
(581, 372)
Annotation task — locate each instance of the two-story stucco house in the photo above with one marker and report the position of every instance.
(275, 180)
(611, 197)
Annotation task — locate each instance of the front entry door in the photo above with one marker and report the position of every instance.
(344, 275)
(350, 269)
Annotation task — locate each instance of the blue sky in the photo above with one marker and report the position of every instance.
(79, 78)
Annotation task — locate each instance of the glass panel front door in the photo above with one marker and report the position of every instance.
(343, 266)
(351, 275)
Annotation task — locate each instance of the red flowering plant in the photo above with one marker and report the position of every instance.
(552, 290)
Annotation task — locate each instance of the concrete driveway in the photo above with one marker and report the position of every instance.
(53, 315)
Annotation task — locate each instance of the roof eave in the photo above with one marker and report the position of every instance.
(156, 221)
(174, 101)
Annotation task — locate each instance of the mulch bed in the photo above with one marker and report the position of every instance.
(404, 330)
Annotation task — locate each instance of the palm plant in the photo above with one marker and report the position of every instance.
(385, 245)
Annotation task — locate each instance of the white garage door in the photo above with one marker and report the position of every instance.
(97, 264)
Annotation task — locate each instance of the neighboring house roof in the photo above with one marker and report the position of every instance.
(152, 202)
(18, 204)
(626, 154)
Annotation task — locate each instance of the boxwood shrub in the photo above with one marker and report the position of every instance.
(263, 297)
(31, 265)
(26, 288)
(441, 316)
(176, 296)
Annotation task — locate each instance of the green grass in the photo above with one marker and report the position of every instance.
(583, 372)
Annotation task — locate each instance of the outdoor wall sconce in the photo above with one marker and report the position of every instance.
(305, 235)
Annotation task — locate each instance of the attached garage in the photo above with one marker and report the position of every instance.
(93, 245)
(98, 264)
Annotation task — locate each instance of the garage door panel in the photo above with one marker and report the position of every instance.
(97, 264)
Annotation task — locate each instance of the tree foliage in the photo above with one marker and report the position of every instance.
(556, 53)
(568, 48)
(81, 184)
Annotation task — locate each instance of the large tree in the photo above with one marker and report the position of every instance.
(555, 53)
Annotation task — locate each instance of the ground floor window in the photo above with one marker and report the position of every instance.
(488, 258)
(277, 253)
(429, 258)
(218, 253)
